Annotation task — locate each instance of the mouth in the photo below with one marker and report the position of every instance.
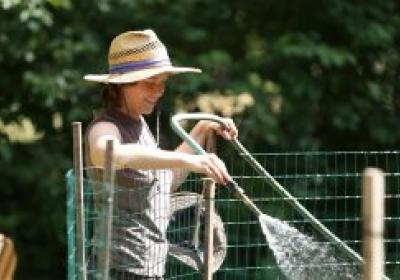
(151, 102)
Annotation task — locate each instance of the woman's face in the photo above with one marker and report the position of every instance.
(141, 97)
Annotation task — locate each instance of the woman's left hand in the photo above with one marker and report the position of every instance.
(228, 133)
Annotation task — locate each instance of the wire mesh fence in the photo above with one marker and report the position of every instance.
(328, 184)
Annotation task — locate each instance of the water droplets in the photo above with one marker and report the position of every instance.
(301, 257)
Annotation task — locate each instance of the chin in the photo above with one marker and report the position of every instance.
(148, 112)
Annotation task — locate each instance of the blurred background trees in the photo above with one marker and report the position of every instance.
(295, 75)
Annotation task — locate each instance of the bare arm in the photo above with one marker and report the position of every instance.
(137, 156)
(199, 134)
(201, 129)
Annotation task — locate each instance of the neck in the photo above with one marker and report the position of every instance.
(129, 113)
(126, 110)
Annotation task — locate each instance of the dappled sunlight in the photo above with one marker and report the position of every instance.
(23, 131)
(227, 105)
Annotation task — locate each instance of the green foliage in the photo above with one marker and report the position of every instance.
(324, 75)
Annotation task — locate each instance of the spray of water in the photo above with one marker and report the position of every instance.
(301, 257)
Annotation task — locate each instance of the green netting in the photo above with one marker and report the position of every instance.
(180, 231)
(74, 267)
(328, 184)
(71, 274)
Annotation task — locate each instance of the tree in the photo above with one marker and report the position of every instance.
(323, 75)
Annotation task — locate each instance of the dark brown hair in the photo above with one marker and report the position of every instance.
(112, 96)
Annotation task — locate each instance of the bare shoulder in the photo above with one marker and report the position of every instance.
(99, 133)
(104, 130)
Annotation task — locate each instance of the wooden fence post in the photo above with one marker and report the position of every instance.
(79, 214)
(210, 148)
(108, 183)
(373, 204)
(209, 196)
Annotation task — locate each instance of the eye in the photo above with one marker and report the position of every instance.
(155, 83)
(132, 84)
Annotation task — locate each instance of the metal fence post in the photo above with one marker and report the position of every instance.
(79, 214)
(373, 205)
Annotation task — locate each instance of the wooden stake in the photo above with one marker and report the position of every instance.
(108, 201)
(79, 214)
(211, 142)
(209, 196)
(373, 191)
(210, 148)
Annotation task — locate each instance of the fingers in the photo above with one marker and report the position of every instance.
(233, 131)
(228, 132)
(216, 169)
(220, 169)
(211, 166)
(216, 175)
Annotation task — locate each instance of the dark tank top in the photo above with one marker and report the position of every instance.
(141, 202)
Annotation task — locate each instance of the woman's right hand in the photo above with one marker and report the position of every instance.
(210, 165)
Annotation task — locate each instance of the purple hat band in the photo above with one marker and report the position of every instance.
(139, 65)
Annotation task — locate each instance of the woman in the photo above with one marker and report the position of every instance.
(146, 175)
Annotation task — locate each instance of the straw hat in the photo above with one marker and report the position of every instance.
(135, 56)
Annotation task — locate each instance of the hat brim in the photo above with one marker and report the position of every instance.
(135, 76)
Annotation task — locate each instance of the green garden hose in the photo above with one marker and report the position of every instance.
(239, 192)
